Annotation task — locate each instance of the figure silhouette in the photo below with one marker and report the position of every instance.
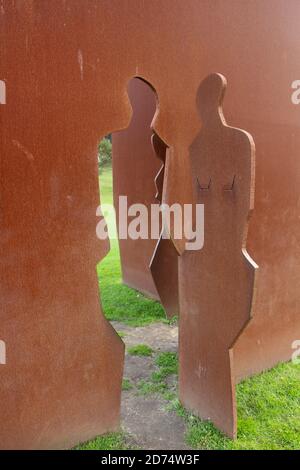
(216, 283)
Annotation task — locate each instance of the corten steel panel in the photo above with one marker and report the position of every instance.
(66, 65)
(164, 262)
(62, 381)
(164, 269)
(217, 283)
(138, 171)
(262, 40)
(135, 167)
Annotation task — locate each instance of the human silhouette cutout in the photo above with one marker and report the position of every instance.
(217, 282)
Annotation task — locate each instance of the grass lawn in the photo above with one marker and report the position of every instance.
(141, 350)
(268, 405)
(114, 441)
(119, 302)
(268, 415)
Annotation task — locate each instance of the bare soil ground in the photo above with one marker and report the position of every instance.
(147, 418)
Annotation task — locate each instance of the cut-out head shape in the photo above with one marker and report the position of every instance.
(143, 100)
(210, 97)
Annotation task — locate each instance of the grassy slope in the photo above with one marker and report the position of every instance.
(119, 302)
(268, 405)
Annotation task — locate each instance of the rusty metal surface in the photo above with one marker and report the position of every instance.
(61, 384)
(164, 269)
(148, 265)
(66, 66)
(259, 102)
(217, 282)
(164, 262)
(134, 170)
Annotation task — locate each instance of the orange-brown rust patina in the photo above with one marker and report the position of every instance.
(66, 66)
(134, 170)
(217, 282)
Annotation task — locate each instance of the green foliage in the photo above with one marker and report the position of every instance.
(104, 153)
(140, 350)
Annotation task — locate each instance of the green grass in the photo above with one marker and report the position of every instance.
(140, 350)
(268, 404)
(127, 385)
(105, 183)
(149, 387)
(121, 334)
(114, 441)
(121, 303)
(268, 415)
(166, 365)
(268, 409)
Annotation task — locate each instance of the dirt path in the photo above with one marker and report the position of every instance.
(146, 417)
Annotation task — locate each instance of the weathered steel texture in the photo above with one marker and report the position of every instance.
(160, 149)
(217, 282)
(66, 66)
(138, 173)
(164, 269)
(164, 263)
(259, 102)
(62, 380)
(134, 170)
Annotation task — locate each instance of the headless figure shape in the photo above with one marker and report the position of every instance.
(217, 282)
(164, 264)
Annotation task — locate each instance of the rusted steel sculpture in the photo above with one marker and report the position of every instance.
(134, 169)
(260, 109)
(66, 66)
(217, 282)
(147, 265)
(61, 383)
(164, 262)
